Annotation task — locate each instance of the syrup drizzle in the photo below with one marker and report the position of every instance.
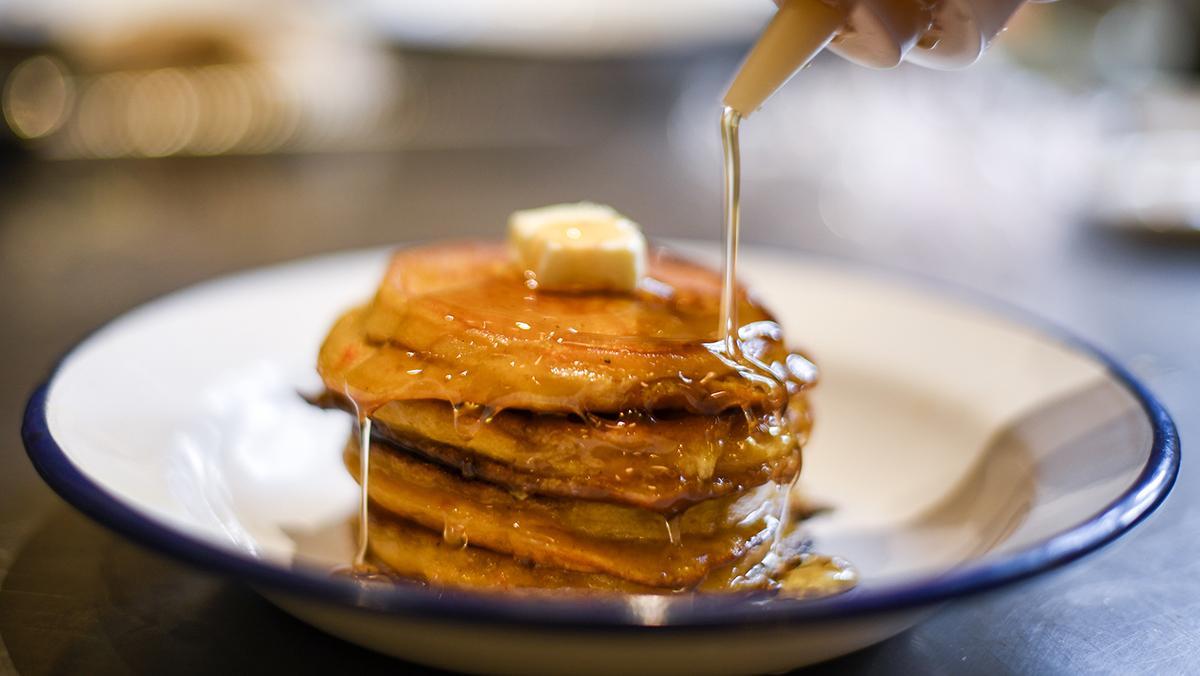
(732, 174)
(363, 419)
(364, 468)
(814, 574)
(729, 345)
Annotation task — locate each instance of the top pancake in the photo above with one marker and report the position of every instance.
(460, 323)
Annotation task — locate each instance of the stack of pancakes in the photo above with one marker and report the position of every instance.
(527, 439)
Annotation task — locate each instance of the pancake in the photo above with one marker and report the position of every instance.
(409, 551)
(657, 463)
(412, 552)
(587, 440)
(458, 323)
(591, 537)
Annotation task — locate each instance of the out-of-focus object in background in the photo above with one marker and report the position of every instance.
(556, 28)
(1151, 181)
(1150, 175)
(37, 96)
(1140, 43)
(217, 77)
(115, 80)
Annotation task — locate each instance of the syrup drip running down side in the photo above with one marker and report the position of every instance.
(364, 450)
(360, 569)
(362, 418)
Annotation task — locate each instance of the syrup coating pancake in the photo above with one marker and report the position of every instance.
(592, 537)
(413, 552)
(657, 463)
(457, 322)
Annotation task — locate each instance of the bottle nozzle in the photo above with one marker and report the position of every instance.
(799, 30)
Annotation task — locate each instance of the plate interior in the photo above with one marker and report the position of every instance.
(943, 433)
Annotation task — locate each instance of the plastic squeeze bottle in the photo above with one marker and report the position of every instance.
(942, 34)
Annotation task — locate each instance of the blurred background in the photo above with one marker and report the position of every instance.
(146, 145)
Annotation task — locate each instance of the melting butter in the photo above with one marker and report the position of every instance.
(578, 247)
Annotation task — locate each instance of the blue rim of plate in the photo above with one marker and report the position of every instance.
(615, 613)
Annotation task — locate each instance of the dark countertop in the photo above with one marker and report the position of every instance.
(81, 242)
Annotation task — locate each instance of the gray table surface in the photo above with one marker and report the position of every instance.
(81, 242)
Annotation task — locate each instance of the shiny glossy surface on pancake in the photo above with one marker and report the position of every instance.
(630, 543)
(457, 322)
(409, 551)
(658, 463)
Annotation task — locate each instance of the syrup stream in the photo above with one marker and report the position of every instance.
(730, 120)
(814, 574)
(729, 348)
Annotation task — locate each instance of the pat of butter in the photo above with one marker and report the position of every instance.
(579, 247)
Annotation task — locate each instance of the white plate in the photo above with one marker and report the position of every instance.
(960, 450)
